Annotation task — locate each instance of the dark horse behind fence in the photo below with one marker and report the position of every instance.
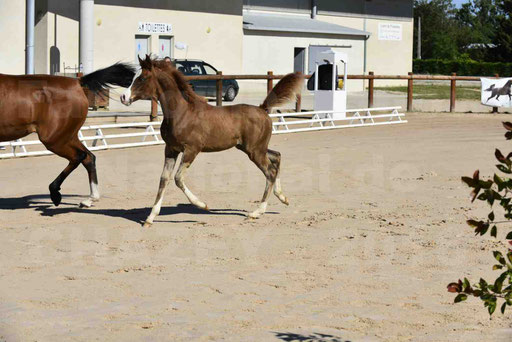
(497, 92)
(191, 125)
(56, 107)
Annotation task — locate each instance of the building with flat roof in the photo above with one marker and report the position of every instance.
(236, 36)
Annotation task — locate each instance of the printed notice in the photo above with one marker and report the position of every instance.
(390, 31)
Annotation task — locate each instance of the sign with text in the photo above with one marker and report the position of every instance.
(148, 27)
(496, 92)
(389, 31)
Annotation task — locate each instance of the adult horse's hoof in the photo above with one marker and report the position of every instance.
(147, 224)
(56, 197)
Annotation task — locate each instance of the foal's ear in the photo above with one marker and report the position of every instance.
(146, 63)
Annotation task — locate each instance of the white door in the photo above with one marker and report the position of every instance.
(141, 47)
(165, 47)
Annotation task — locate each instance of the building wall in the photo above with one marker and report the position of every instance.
(216, 38)
(12, 32)
(274, 51)
(384, 57)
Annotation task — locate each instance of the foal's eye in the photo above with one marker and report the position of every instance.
(142, 79)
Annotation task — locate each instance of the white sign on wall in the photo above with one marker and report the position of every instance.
(496, 92)
(389, 31)
(148, 27)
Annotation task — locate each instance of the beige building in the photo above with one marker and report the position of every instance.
(235, 36)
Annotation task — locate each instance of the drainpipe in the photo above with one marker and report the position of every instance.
(87, 36)
(314, 10)
(29, 43)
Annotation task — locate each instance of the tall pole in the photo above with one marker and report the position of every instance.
(87, 36)
(29, 48)
(419, 38)
(314, 9)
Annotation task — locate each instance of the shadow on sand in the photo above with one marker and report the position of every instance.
(314, 337)
(44, 204)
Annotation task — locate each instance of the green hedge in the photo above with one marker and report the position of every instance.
(461, 67)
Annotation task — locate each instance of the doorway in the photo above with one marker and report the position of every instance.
(165, 46)
(141, 46)
(299, 59)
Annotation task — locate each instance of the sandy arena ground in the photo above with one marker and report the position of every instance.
(374, 233)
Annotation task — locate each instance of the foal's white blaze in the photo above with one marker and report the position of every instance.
(125, 98)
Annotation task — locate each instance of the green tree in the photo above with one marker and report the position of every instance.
(504, 32)
(478, 21)
(437, 26)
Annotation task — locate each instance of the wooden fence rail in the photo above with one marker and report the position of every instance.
(371, 77)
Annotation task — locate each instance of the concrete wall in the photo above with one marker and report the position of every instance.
(384, 57)
(12, 33)
(216, 38)
(273, 51)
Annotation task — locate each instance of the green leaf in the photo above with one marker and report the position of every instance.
(499, 156)
(498, 256)
(466, 284)
(503, 307)
(491, 216)
(494, 231)
(492, 307)
(503, 168)
(509, 236)
(460, 298)
(509, 257)
(497, 267)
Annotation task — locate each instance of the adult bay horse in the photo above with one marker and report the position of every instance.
(56, 107)
(190, 125)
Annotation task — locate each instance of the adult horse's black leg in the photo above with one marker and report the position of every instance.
(71, 152)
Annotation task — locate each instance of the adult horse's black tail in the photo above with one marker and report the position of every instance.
(119, 74)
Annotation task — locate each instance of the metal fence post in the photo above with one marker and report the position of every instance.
(219, 89)
(409, 92)
(453, 93)
(370, 89)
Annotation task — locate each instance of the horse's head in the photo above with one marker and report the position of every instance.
(144, 85)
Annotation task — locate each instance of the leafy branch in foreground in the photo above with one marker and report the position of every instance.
(496, 192)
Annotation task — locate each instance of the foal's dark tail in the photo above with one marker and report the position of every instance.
(285, 91)
(119, 74)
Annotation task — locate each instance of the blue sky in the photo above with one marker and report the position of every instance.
(459, 2)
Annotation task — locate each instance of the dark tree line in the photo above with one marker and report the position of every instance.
(480, 30)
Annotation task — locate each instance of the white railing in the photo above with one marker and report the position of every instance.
(322, 120)
(286, 123)
(97, 141)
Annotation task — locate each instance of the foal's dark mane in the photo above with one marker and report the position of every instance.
(184, 87)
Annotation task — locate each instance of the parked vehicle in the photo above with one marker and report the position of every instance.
(208, 88)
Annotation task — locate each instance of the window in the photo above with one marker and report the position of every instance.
(209, 69)
(195, 68)
(181, 67)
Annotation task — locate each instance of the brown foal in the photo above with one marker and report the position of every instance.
(191, 125)
(56, 107)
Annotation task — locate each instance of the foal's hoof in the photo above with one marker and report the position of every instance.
(253, 216)
(56, 197)
(147, 224)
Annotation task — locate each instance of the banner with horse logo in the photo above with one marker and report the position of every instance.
(496, 92)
